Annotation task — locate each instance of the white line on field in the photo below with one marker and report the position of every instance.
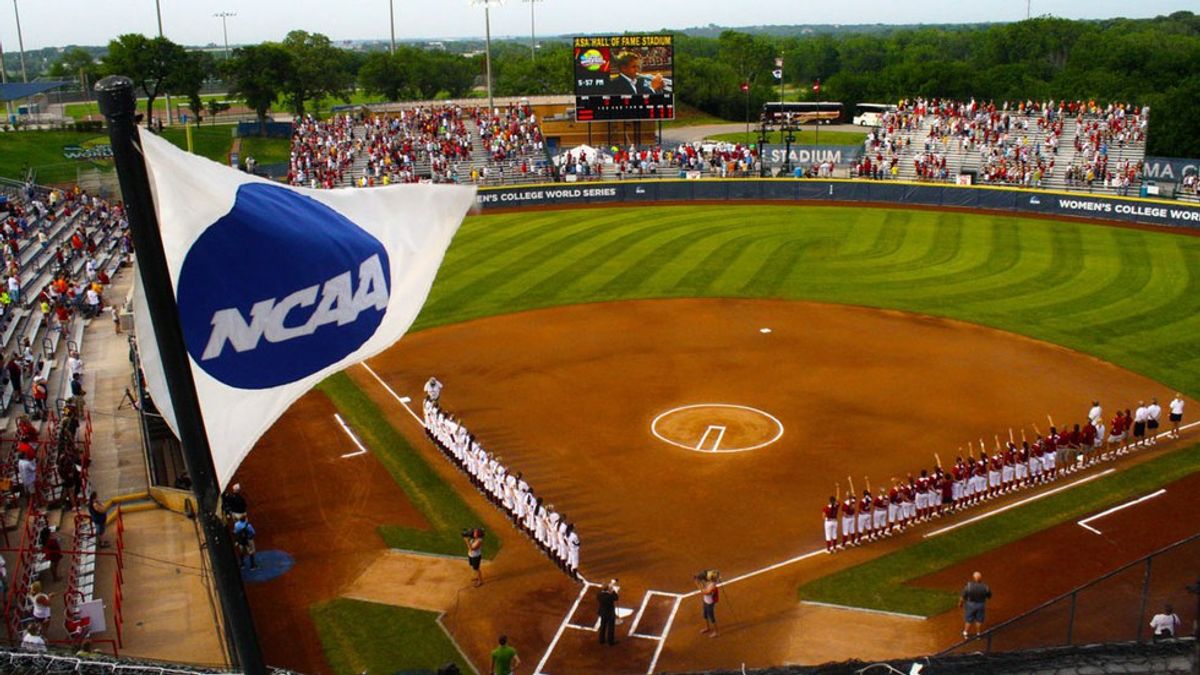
(1015, 504)
(663, 641)
(848, 608)
(1084, 523)
(763, 570)
(362, 449)
(720, 434)
(561, 627)
(402, 400)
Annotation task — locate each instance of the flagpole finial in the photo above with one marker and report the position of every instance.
(115, 95)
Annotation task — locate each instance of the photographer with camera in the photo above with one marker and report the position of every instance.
(474, 539)
(710, 594)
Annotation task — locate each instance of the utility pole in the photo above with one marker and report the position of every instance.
(20, 42)
(532, 32)
(4, 80)
(392, 23)
(224, 16)
(167, 95)
(487, 26)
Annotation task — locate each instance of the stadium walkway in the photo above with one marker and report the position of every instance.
(165, 602)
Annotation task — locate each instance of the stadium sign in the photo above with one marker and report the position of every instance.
(1171, 169)
(803, 155)
(92, 152)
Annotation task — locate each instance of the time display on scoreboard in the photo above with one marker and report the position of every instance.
(624, 77)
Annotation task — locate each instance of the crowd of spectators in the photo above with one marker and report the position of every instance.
(723, 160)
(322, 152)
(435, 138)
(513, 142)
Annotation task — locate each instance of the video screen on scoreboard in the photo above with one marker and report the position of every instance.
(624, 77)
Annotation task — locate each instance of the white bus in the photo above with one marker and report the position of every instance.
(871, 114)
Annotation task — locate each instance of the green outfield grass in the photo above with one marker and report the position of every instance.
(446, 512)
(212, 142)
(1128, 296)
(43, 151)
(266, 150)
(368, 637)
(807, 137)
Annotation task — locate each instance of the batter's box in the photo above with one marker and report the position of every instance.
(651, 619)
(586, 616)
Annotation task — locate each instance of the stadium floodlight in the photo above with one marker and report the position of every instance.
(392, 23)
(532, 33)
(487, 27)
(20, 42)
(224, 16)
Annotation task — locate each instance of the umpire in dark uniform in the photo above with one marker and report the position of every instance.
(607, 600)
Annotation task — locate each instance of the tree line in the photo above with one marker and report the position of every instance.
(1147, 62)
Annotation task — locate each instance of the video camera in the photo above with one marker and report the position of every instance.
(473, 532)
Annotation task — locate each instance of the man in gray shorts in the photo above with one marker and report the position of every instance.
(973, 599)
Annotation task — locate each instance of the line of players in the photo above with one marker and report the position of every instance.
(507, 490)
(1009, 468)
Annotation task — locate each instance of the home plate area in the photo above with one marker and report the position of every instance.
(642, 627)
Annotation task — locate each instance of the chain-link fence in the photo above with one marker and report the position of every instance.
(1116, 607)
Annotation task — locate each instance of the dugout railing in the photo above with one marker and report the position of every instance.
(1116, 607)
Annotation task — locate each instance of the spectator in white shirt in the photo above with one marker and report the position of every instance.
(1176, 413)
(1165, 624)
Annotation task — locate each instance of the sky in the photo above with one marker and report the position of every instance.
(55, 23)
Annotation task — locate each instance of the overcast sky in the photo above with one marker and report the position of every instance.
(46, 23)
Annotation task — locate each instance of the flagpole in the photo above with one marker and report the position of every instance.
(117, 104)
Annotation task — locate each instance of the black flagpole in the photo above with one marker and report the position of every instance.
(118, 106)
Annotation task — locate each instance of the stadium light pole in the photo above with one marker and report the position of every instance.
(20, 42)
(166, 94)
(224, 16)
(487, 27)
(392, 23)
(532, 32)
(8, 107)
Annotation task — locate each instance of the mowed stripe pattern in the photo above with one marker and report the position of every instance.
(1127, 296)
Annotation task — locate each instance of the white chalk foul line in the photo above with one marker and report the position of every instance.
(1032, 498)
(561, 628)
(764, 570)
(402, 400)
(865, 610)
(663, 640)
(1084, 523)
(362, 449)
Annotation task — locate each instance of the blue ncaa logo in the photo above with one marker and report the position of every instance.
(279, 288)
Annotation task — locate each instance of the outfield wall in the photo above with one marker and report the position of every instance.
(1014, 201)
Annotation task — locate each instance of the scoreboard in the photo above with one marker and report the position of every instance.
(624, 77)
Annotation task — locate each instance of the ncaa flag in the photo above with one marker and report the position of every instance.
(280, 287)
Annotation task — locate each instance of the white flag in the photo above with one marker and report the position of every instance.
(280, 287)
(778, 73)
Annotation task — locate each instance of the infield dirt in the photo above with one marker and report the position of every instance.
(568, 395)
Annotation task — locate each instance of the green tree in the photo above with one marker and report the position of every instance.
(150, 63)
(550, 72)
(76, 63)
(749, 56)
(189, 76)
(257, 75)
(319, 70)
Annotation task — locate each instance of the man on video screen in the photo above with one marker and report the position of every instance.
(629, 80)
